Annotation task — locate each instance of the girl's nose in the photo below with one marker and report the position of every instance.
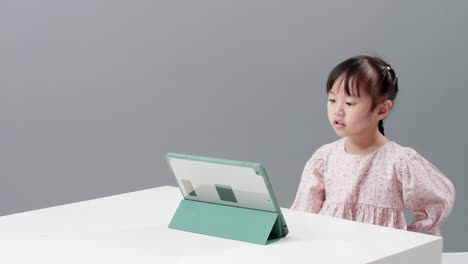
(339, 111)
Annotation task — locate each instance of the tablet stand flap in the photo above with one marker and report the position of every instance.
(225, 221)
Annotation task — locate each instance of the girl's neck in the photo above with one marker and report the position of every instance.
(365, 144)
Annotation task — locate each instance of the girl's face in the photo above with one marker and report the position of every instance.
(351, 115)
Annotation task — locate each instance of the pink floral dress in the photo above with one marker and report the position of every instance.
(375, 188)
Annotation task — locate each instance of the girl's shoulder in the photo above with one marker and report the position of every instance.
(407, 158)
(325, 150)
(402, 153)
(391, 151)
(411, 164)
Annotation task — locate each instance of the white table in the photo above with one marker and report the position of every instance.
(455, 258)
(132, 228)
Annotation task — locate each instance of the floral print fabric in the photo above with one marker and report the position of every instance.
(375, 188)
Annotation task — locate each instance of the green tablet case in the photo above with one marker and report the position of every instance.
(249, 225)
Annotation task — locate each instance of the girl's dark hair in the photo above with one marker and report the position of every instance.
(372, 75)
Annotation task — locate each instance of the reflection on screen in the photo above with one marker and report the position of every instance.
(225, 193)
(189, 188)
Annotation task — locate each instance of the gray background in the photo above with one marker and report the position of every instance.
(93, 93)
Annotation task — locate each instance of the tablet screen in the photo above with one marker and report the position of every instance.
(219, 183)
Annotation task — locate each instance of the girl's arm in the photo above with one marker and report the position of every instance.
(426, 192)
(311, 192)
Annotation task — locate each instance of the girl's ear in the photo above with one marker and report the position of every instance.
(384, 108)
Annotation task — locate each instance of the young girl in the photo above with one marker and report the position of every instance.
(364, 176)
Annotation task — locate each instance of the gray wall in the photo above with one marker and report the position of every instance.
(93, 93)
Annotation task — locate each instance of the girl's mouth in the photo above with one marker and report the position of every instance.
(339, 124)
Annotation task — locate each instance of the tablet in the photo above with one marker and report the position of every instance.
(227, 182)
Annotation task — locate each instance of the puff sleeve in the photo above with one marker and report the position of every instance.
(311, 192)
(426, 192)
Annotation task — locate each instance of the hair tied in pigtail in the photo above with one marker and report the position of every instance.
(395, 78)
(386, 73)
(386, 69)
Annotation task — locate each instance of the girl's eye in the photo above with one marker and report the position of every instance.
(350, 103)
(331, 100)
